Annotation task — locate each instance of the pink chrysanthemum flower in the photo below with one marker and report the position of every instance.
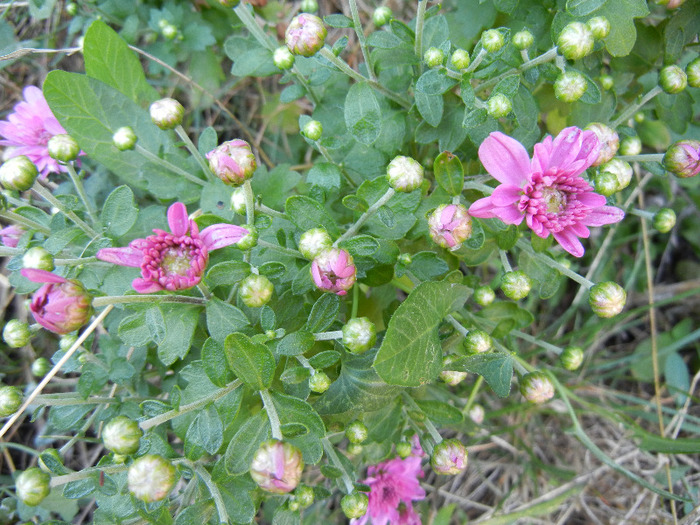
(333, 270)
(177, 260)
(547, 191)
(28, 129)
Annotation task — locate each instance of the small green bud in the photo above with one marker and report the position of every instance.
(451, 377)
(609, 141)
(449, 457)
(606, 82)
(283, 58)
(575, 41)
(405, 259)
(314, 241)
(621, 170)
(484, 295)
(683, 158)
(607, 299)
(477, 342)
(122, 435)
(354, 505)
(359, 334)
(570, 86)
(516, 285)
(319, 382)
(460, 59)
(354, 449)
(404, 174)
(523, 39)
(639, 117)
(571, 358)
(403, 449)
(477, 414)
(492, 40)
(32, 486)
(605, 183)
(10, 400)
(169, 31)
(255, 290)
(41, 367)
(498, 105)
(308, 6)
(673, 79)
(599, 27)
(536, 387)
(630, 146)
(304, 496)
(692, 71)
(167, 113)
(312, 130)
(664, 220)
(67, 341)
(18, 173)
(39, 258)
(72, 8)
(151, 478)
(382, 16)
(238, 200)
(356, 432)
(124, 138)
(249, 240)
(16, 333)
(63, 148)
(434, 57)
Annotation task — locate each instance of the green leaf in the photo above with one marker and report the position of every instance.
(295, 375)
(654, 443)
(256, 62)
(253, 363)
(508, 86)
(338, 20)
(295, 343)
(435, 82)
(363, 116)
(583, 7)
(621, 15)
(400, 209)
(196, 513)
(215, 363)
(360, 245)
(440, 413)
(224, 319)
(383, 40)
(294, 410)
(410, 354)
(326, 175)
(208, 140)
(323, 313)
(133, 330)
(324, 359)
(681, 29)
(119, 212)
(205, 434)
(245, 442)
(496, 368)
(306, 213)
(449, 173)
(426, 266)
(227, 273)
(180, 321)
(430, 107)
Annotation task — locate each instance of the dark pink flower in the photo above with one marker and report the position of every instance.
(28, 129)
(10, 235)
(177, 260)
(61, 305)
(333, 270)
(547, 191)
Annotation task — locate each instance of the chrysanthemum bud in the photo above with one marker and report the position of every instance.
(606, 82)
(673, 79)
(477, 414)
(319, 382)
(249, 240)
(450, 225)
(169, 31)
(451, 377)
(571, 358)
(536, 387)
(41, 367)
(305, 35)
(18, 173)
(460, 59)
(255, 290)
(449, 457)
(283, 58)
(238, 201)
(151, 478)
(124, 138)
(523, 39)
(621, 170)
(333, 270)
(32, 486)
(492, 40)
(66, 342)
(498, 105)
(609, 142)
(484, 295)
(692, 71)
(359, 334)
(607, 299)
(356, 432)
(16, 333)
(605, 183)
(405, 259)
(664, 220)
(312, 242)
(354, 449)
(575, 41)
(122, 435)
(599, 27)
(10, 400)
(516, 285)
(630, 146)
(63, 148)
(312, 130)
(39, 258)
(72, 8)
(434, 57)
(671, 4)
(570, 86)
(404, 174)
(167, 113)
(233, 162)
(639, 117)
(477, 342)
(403, 449)
(277, 466)
(354, 505)
(683, 158)
(10, 235)
(382, 16)
(308, 6)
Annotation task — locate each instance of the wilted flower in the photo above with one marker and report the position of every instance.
(28, 129)
(32, 486)
(277, 466)
(536, 387)
(449, 457)
(548, 192)
(450, 225)
(177, 260)
(233, 162)
(683, 158)
(10, 235)
(333, 270)
(305, 35)
(61, 305)
(151, 478)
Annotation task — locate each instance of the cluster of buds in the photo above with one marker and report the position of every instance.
(449, 457)
(536, 387)
(609, 142)
(333, 270)
(305, 35)
(167, 113)
(151, 478)
(277, 466)
(18, 173)
(614, 176)
(122, 435)
(233, 162)
(516, 285)
(359, 334)
(450, 225)
(607, 299)
(683, 158)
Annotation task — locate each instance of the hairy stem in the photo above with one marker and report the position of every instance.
(271, 414)
(366, 216)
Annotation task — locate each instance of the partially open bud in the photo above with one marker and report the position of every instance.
(683, 158)
(536, 387)
(606, 82)
(484, 295)
(16, 334)
(599, 27)
(32, 486)
(122, 435)
(605, 183)
(255, 290)
(356, 432)
(492, 40)
(167, 113)
(151, 478)
(18, 173)
(523, 39)
(382, 16)
(319, 382)
(124, 138)
(359, 334)
(283, 58)
(249, 240)
(664, 220)
(404, 174)
(10, 235)
(477, 342)
(575, 41)
(333, 270)
(312, 130)
(308, 6)
(570, 86)
(10, 400)
(233, 162)
(477, 414)
(41, 367)
(238, 201)
(630, 146)
(460, 59)
(607, 299)
(277, 466)
(403, 449)
(63, 148)
(692, 71)
(571, 358)
(621, 170)
(498, 105)
(434, 57)
(672, 79)
(312, 242)
(39, 258)
(451, 377)
(516, 285)
(449, 457)
(450, 225)
(609, 141)
(354, 505)
(305, 35)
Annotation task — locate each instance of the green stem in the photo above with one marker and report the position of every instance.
(68, 400)
(328, 336)
(420, 23)
(17, 446)
(251, 25)
(6, 251)
(535, 341)
(16, 218)
(366, 215)
(642, 213)
(215, 494)
(195, 153)
(271, 414)
(323, 151)
(305, 363)
(304, 82)
(332, 455)
(355, 301)
(286, 251)
(361, 38)
(49, 197)
(457, 325)
(428, 424)
(554, 264)
(249, 203)
(477, 60)
(81, 191)
(129, 299)
(631, 110)
(451, 74)
(488, 190)
(647, 157)
(168, 166)
(504, 261)
(78, 261)
(269, 211)
(472, 395)
(547, 56)
(57, 481)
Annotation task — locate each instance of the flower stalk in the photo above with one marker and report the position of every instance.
(631, 110)
(271, 414)
(110, 300)
(361, 38)
(81, 191)
(366, 216)
(646, 157)
(168, 166)
(328, 336)
(49, 197)
(333, 456)
(194, 152)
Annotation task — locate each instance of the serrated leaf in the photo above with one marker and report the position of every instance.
(253, 363)
(621, 15)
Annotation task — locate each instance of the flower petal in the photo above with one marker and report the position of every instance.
(482, 208)
(592, 200)
(565, 148)
(121, 256)
(41, 276)
(508, 214)
(145, 286)
(569, 242)
(505, 195)
(603, 215)
(221, 235)
(178, 219)
(505, 159)
(541, 154)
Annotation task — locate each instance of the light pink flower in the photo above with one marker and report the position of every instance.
(10, 235)
(450, 225)
(28, 129)
(547, 191)
(333, 270)
(177, 260)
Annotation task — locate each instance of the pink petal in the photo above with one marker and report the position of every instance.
(509, 214)
(220, 235)
(144, 286)
(590, 148)
(316, 274)
(178, 219)
(447, 213)
(536, 226)
(603, 215)
(580, 230)
(505, 195)
(41, 276)
(592, 200)
(542, 152)
(482, 208)
(566, 148)
(505, 159)
(121, 256)
(569, 242)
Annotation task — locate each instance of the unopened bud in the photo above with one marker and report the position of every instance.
(333, 270)
(575, 41)
(571, 358)
(124, 138)
(303, 496)
(63, 148)
(450, 225)
(692, 71)
(536, 387)
(451, 377)
(354, 449)
(484, 295)
(249, 240)
(630, 146)
(319, 382)
(382, 16)
(305, 35)
(673, 79)
(607, 82)
(449, 457)
(639, 117)
(621, 170)
(609, 141)
(255, 290)
(492, 40)
(356, 432)
(312, 130)
(151, 478)
(32, 486)
(18, 173)
(607, 299)
(477, 342)
(354, 505)
(238, 204)
(66, 342)
(605, 183)
(283, 58)
(683, 158)
(41, 367)
(39, 258)
(403, 449)
(664, 220)
(460, 59)
(671, 4)
(405, 259)
(16, 333)
(359, 334)
(516, 285)
(434, 57)
(498, 105)
(167, 113)
(404, 174)
(122, 435)
(10, 400)
(599, 27)
(72, 8)
(308, 6)
(312, 242)
(570, 86)
(233, 162)
(169, 31)
(523, 39)
(277, 466)
(477, 414)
